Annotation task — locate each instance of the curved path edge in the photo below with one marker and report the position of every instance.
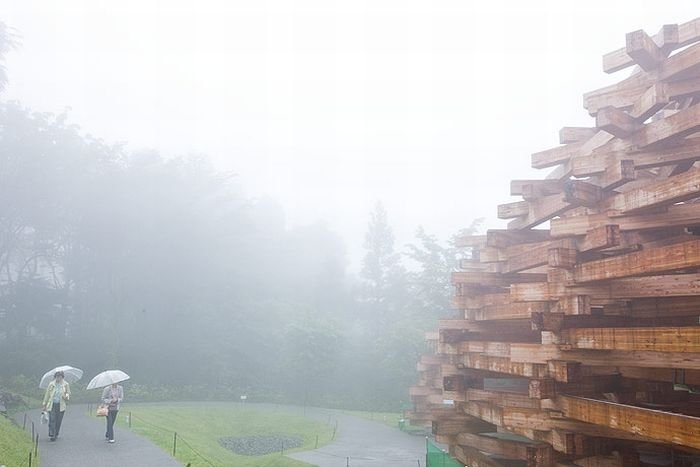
(82, 443)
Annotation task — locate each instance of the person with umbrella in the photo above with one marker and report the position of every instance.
(112, 395)
(55, 398)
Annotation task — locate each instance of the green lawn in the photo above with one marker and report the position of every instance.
(200, 425)
(388, 418)
(15, 445)
(391, 419)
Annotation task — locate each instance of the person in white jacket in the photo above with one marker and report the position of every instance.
(55, 398)
(112, 396)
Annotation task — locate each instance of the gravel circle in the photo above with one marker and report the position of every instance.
(260, 445)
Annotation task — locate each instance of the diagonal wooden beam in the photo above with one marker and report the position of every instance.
(616, 122)
(669, 38)
(676, 126)
(643, 50)
(688, 151)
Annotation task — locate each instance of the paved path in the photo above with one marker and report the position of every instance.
(358, 443)
(81, 443)
(365, 443)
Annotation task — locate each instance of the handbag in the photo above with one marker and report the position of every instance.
(102, 410)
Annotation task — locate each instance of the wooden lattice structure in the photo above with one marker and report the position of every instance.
(578, 342)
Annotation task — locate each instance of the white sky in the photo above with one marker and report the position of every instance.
(328, 106)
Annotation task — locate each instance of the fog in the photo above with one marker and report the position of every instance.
(431, 107)
(198, 181)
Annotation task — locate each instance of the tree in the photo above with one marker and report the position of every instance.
(382, 271)
(8, 41)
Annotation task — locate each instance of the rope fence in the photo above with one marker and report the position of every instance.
(176, 438)
(33, 453)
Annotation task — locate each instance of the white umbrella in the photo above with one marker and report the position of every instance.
(70, 374)
(106, 378)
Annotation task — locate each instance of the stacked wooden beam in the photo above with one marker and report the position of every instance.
(578, 342)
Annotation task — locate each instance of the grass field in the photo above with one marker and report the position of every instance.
(15, 445)
(200, 425)
(387, 418)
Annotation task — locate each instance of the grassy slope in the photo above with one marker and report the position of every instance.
(15, 444)
(200, 427)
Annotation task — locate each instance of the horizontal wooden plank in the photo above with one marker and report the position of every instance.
(538, 454)
(555, 156)
(513, 210)
(474, 458)
(511, 311)
(481, 301)
(503, 399)
(572, 134)
(495, 279)
(673, 216)
(470, 241)
(531, 255)
(676, 126)
(616, 122)
(663, 426)
(502, 365)
(600, 238)
(652, 287)
(599, 163)
(499, 238)
(682, 187)
(656, 339)
(541, 210)
(530, 189)
(657, 289)
(534, 353)
(682, 65)
(645, 262)
(621, 95)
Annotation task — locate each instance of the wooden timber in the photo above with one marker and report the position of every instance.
(579, 343)
(655, 424)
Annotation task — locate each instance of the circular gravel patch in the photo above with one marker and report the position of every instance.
(260, 445)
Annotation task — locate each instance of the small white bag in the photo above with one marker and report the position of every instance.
(44, 417)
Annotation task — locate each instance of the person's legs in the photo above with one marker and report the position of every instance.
(111, 417)
(59, 420)
(53, 418)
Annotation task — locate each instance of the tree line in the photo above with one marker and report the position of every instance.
(164, 267)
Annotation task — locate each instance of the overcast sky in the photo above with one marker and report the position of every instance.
(430, 106)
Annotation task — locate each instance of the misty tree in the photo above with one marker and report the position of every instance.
(384, 275)
(163, 267)
(430, 286)
(312, 346)
(8, 41)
